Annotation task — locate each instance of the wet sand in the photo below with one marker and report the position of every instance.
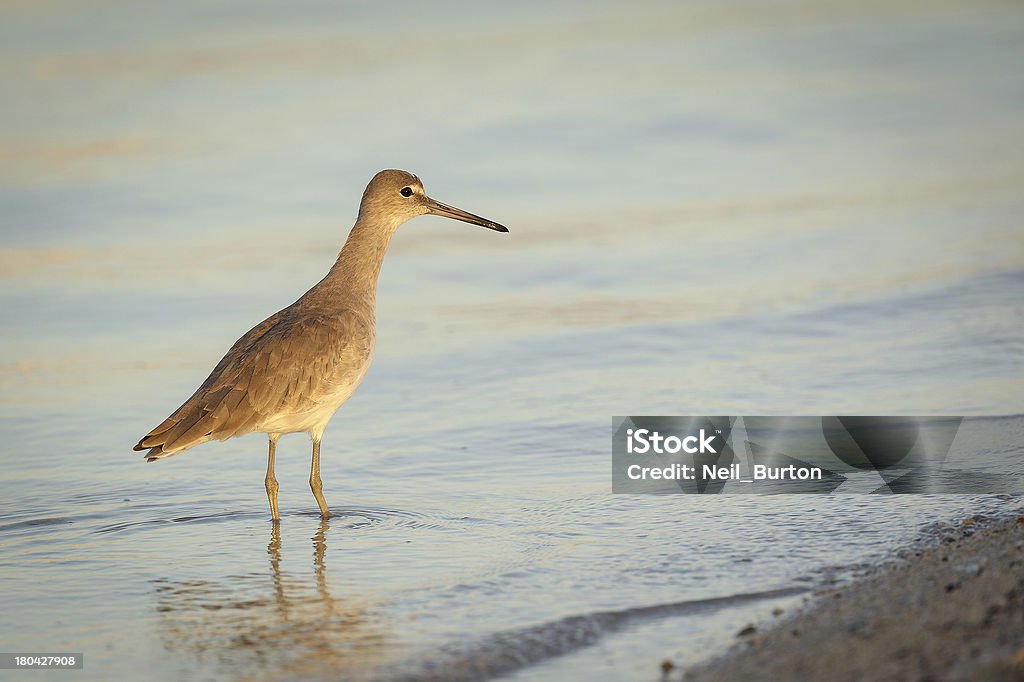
(950, 609)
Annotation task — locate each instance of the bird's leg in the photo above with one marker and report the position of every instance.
(270, 481)
(315, 484)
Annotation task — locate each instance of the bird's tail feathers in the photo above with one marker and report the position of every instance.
(158, 453)
(172, 437)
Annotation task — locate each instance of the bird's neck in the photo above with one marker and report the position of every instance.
(353, 278)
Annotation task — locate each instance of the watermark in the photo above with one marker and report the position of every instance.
(48, 661)
(846, 454)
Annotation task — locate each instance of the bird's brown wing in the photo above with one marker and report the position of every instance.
(288, 364)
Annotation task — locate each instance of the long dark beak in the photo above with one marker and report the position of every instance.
(437, 208)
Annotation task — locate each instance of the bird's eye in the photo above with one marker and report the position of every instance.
(407, 191)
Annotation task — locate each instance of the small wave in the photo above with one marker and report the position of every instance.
(344, 517)
(363, 517)
(28, 523)
(506, 652)
(198, 518)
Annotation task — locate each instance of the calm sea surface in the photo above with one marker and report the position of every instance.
(725, 208)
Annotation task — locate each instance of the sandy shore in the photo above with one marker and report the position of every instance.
(951, 609)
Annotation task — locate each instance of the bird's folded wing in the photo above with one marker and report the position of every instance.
(288, 364)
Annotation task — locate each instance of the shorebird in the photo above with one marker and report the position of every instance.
(291, 372)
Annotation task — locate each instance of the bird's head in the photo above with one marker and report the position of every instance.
(394, 196)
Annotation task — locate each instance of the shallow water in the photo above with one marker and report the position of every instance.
(798, 209)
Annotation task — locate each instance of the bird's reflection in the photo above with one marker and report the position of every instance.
(258, 625)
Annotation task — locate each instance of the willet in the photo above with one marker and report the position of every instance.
(291, 372)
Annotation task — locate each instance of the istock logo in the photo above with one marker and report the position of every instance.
(642, 441)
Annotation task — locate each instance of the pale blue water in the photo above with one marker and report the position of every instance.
(779, 208)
